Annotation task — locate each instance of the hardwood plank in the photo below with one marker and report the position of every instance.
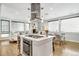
(69, 49)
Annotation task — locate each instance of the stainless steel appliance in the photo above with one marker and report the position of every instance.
(27, 47)
(34, 36)
(27, 44)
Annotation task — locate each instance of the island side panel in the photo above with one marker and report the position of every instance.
(42, 48)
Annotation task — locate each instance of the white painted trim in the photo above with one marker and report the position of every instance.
(73, 41)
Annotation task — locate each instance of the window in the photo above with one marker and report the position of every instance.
(70, 25)
(17, 26)
(5, 28)
(0, 26)
(53, 26)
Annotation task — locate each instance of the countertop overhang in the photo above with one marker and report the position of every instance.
(37, 39)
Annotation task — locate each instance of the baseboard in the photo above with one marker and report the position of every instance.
(73, 41)
(5, 40)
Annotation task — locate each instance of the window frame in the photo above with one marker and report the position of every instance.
(5, 32)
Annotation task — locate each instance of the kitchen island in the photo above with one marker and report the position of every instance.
(36, 45)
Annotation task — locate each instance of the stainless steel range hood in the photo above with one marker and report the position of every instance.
(35, 11)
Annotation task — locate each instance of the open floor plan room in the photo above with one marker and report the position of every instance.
(39, 29)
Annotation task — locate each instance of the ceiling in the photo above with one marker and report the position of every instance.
(59, 9)
(49, 11)
(18, 6)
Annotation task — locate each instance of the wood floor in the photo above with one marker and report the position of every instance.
(68, 49)
(8, 49)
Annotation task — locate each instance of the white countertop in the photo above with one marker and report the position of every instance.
(38, 39)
